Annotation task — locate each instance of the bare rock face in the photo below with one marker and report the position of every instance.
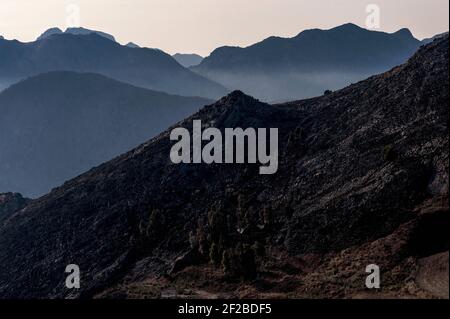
(356, 170)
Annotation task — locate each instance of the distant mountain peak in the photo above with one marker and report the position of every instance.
(348, 26)
(83, 31)
(49, 33)
(188, 59)
(132, 45)
(404, 32)
(351, 27)
(76, 31)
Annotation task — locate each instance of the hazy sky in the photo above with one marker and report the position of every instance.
(200, 26)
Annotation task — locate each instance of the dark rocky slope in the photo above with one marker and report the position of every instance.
(363, 179)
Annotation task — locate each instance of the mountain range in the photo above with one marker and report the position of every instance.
(309, 63)
(56, 125)
(82, 50)
(363, 179)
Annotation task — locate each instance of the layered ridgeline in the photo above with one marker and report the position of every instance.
(308, 64)
(83, 51)
(362, 179)
(57, 125)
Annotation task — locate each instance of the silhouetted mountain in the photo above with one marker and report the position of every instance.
(188, 60)
(83, 31)
(132, 45)
(362, 179)
(144, 67)
(49, 33)
(308, 64)
(55, 126)
(75, 31)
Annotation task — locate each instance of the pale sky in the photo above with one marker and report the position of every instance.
(200, 26)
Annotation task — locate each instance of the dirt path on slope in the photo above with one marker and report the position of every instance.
(433, 275)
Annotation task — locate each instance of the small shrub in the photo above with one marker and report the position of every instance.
(214, 255)
(240, 262)
(389, 153)
(227, 261)
(259, 249)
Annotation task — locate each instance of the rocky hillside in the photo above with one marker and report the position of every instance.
(362, 179)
